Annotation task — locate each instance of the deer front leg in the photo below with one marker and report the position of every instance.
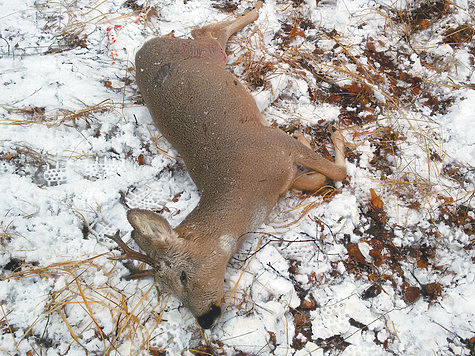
(323, 167)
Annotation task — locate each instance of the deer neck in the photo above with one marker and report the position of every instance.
(227, 219)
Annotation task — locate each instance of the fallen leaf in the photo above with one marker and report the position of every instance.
(295, 32)
(302, 319)
(354, 88)
(377, 257)
(333, 98)
(372, 291)
(432, 290)
(370, 46)
(414, 205)
(176, 197)
(423, 24)
(358, 324)
(354, 254)
(272, 340)
(372, 277)
(412, 294)
(375, 199)
(447, 200)
(308, 303)
(415, 90)
(421, 264)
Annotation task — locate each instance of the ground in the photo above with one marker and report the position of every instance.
(381, 263)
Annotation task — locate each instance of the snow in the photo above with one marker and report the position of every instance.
(457, 125)
(67, 181)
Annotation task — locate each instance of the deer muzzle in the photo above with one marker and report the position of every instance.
(208, 319)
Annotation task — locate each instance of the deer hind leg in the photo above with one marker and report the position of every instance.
(311, 180)
(323, 168)
(223, 30)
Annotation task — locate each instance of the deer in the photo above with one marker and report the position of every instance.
(239, 163)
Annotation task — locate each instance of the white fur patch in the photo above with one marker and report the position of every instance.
(227, 243)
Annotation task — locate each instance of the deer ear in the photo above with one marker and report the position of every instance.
(151, 226)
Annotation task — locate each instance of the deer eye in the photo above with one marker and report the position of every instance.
(183, 278)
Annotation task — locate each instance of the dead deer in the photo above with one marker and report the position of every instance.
(240, 165)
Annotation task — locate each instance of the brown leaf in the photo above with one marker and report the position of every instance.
(333, 98)
(375, 199)
(447, 200)
(412, 294)
(377, 257)
(176, 197)
(371, 292)
(432, 290)
(293, 270)
(308, 303)
(302, 319)
(272, 340)
(414, 205)
(312, 279)
(423, 24)
(373, 277)
(421, 264)
(353, 88)
(415, 90)
(370, 46)
(462, 34)
(294, 267)
(354, 254)
(157, 351)
(140, 160)
(295, 32)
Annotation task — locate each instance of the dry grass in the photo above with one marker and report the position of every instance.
(38, 115)
(131, 314)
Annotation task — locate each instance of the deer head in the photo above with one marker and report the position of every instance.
(179, 264)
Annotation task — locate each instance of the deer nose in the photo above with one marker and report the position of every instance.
(208, 319)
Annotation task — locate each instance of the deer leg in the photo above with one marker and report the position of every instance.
(333, 170)
(223, 30)
(301, 138)
(310, 180)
